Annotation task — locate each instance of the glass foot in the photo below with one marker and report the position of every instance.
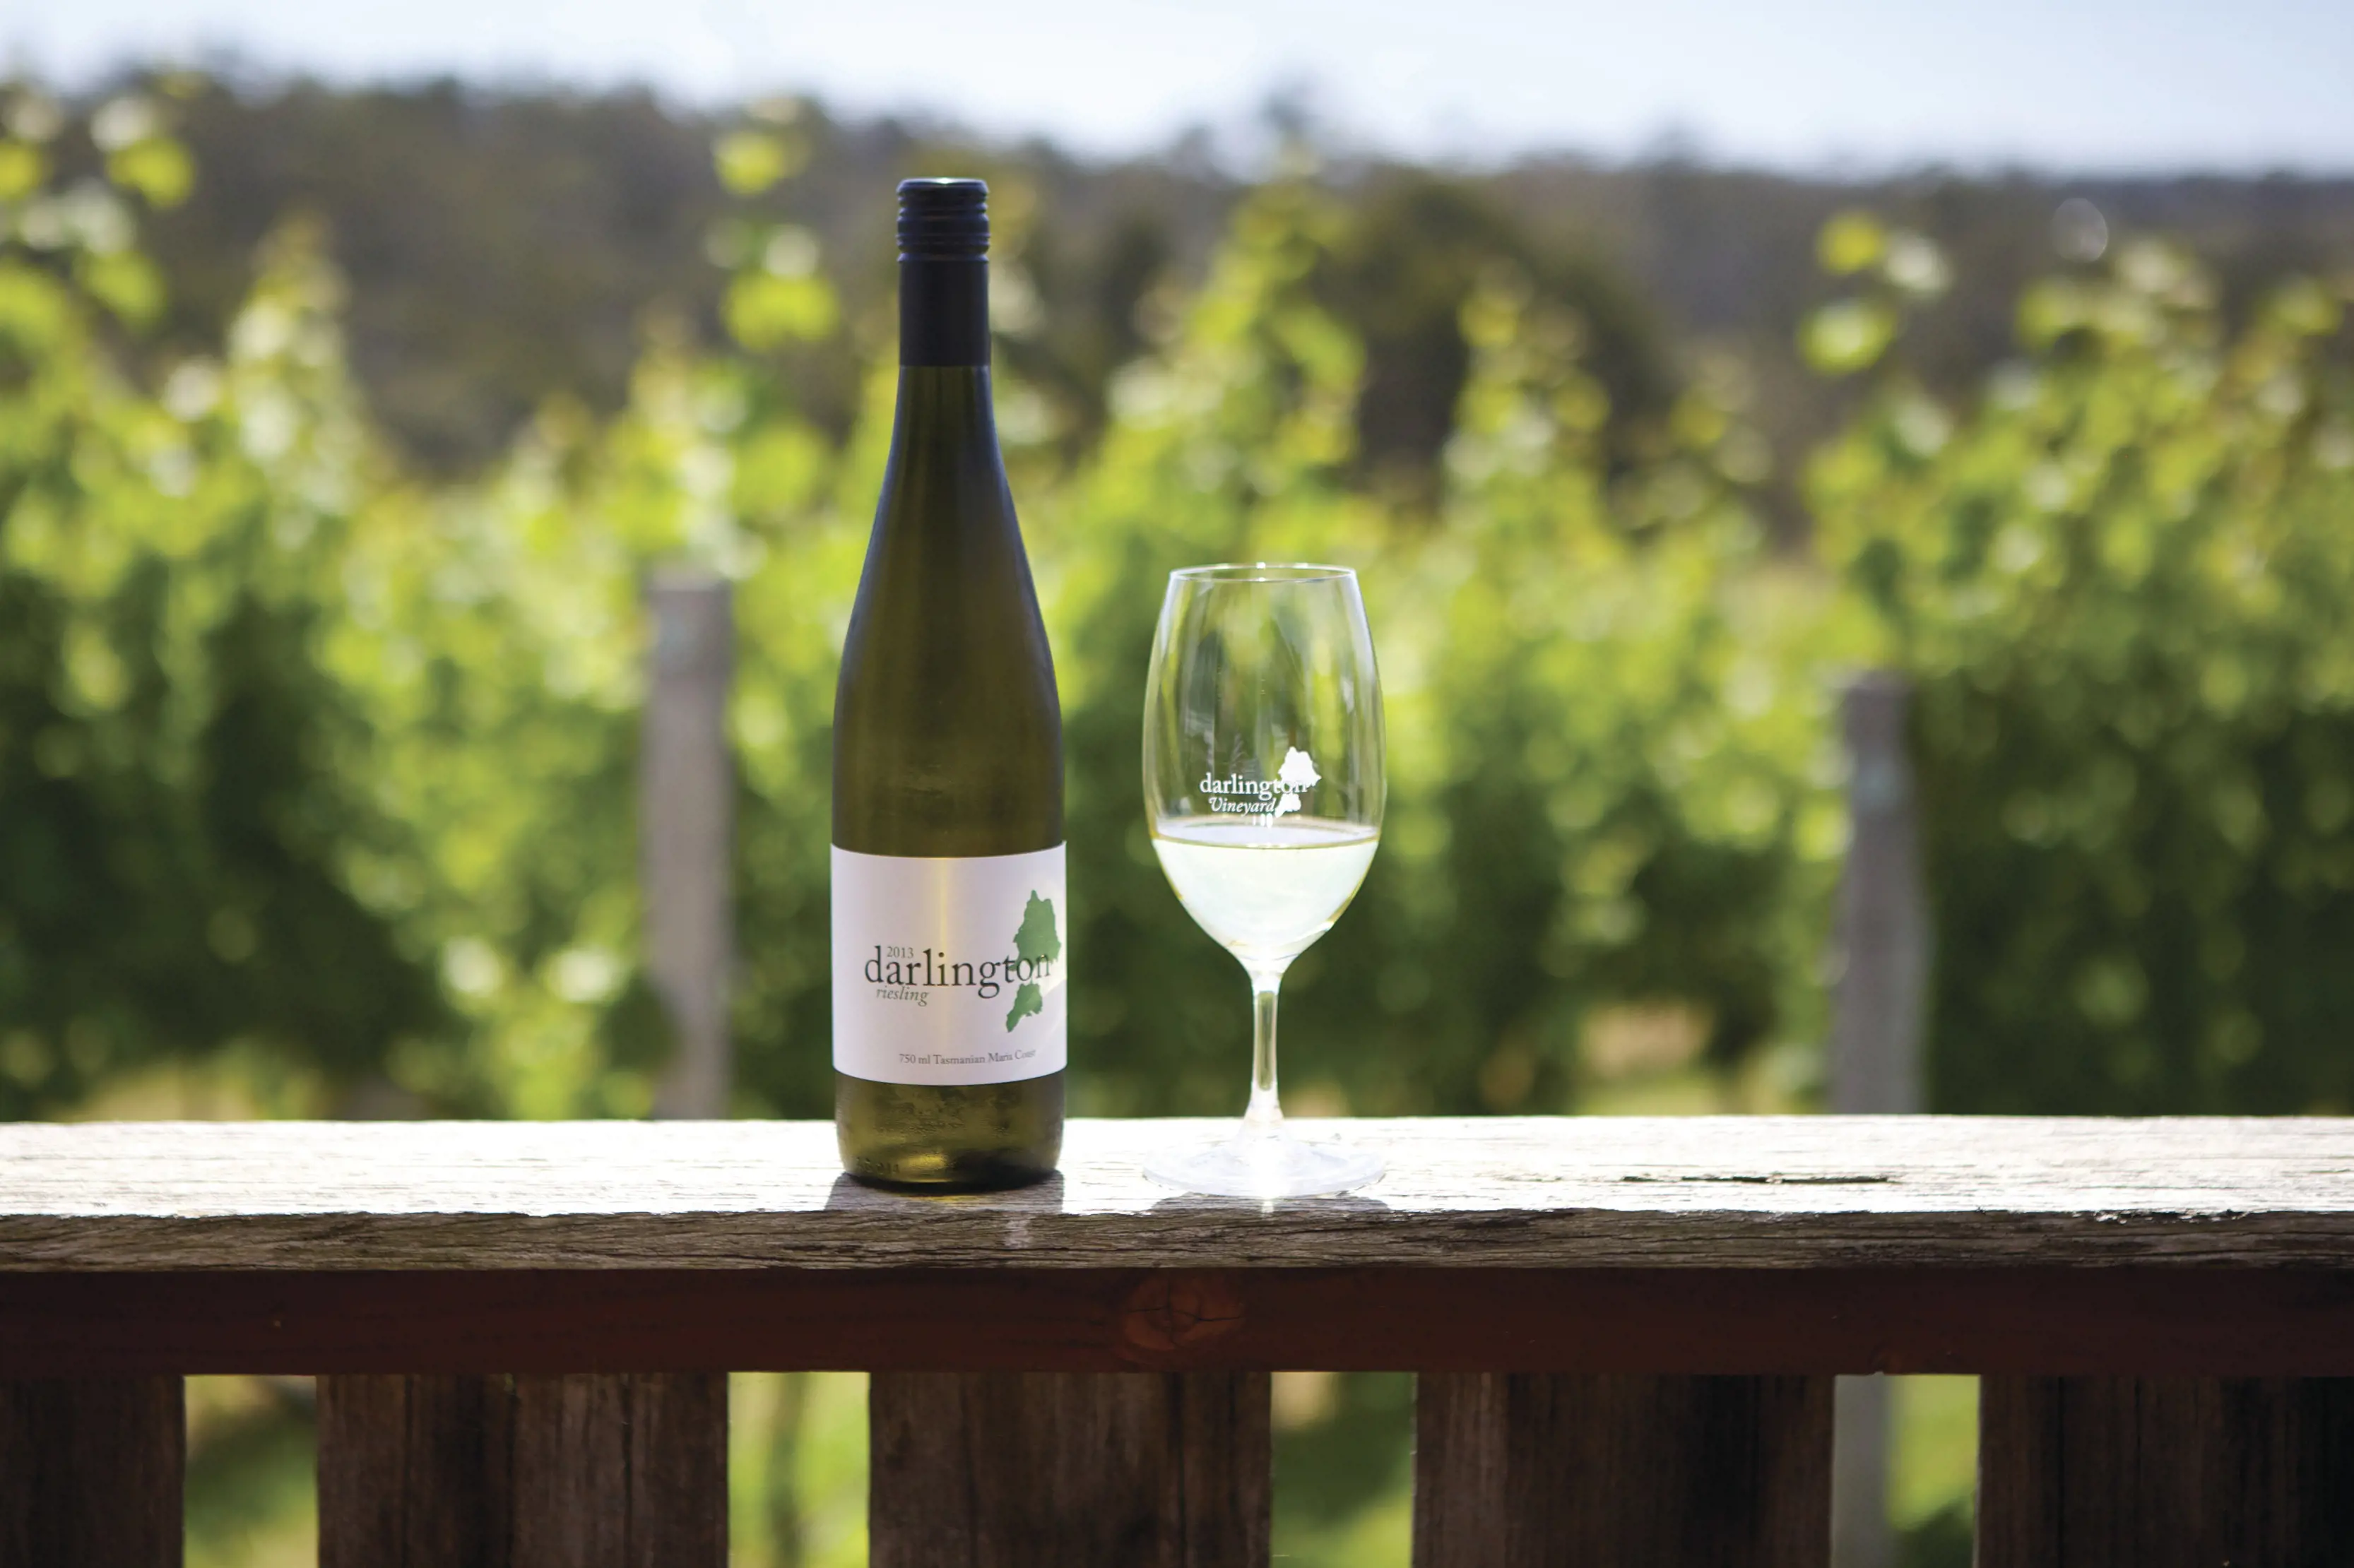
(1265, 1165)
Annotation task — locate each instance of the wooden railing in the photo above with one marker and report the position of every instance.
(1626, 1331)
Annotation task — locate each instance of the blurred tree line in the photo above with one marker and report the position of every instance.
(503, 248)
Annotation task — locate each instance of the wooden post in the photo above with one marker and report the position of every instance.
(2166, 1472)
(1881, 967)
(1521, 1470)
(90, 1470)
(524, 1472)
(1880, 971)
(686, 787)
(1069, 1471)
(1864, 1435)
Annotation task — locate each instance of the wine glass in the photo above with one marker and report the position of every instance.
(1263, 789)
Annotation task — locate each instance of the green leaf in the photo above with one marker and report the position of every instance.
(157, 169)
(126, 283)
(2304, 307)
(765, 311)
(749, 162)
(1849, 242)
(37, 315)
(1847, 336)
(23, 167)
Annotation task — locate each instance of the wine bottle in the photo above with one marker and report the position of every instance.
(949, 919)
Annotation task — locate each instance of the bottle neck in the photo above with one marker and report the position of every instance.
(943, 312)
(944, 422)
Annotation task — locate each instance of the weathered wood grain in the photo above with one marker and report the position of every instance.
(414, 1472)
(2166, 1473)
(1513, 1470)
(1045, 1470)
(1702, 1245)
(562, 1471)
(1595, 1193)
(620, 1472)
(2250, 1322)
(91, 1472)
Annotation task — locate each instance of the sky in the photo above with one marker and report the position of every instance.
(2087, 86)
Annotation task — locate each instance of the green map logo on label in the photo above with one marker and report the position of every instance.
(1035, 943)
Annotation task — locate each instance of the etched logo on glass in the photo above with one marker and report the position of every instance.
(1267, 799)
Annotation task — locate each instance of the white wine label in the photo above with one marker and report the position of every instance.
(949, 971)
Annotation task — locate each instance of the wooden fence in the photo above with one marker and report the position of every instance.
(1626, 1330)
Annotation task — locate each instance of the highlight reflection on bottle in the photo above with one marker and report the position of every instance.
(948, 909)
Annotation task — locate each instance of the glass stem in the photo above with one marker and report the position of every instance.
(1265, 1117)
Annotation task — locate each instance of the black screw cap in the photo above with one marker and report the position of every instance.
(943, 220)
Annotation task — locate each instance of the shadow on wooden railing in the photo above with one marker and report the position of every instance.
(1627, 1331)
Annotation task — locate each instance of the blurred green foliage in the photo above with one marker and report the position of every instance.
(314, 763)
(252, 1493)
(178, 823)
(2120, 580)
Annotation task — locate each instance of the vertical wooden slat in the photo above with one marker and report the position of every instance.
(413, 1471)
(630, 1472)
(601, 1471)
(2166, 1472)
(1069, 1471)
(91, 1472)
(1518, 1470)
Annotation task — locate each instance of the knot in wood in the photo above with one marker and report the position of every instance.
(1175, 1311)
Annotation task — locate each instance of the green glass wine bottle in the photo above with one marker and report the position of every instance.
(948, 912)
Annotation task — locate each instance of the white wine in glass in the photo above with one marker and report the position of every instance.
(1263, 786)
